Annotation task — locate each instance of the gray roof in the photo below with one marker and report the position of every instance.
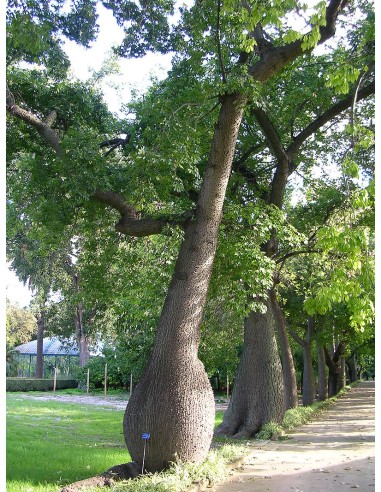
(52, 346)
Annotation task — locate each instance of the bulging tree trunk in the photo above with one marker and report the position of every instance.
(173, 401)
(288, 368)
(258, 394)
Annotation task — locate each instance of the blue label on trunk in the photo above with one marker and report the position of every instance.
(146, 436)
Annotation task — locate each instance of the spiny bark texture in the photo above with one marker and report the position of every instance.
(173, 401)
(258, 394)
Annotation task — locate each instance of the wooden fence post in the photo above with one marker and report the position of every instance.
(227, 386)
(55, 379)
(88, 380)
(130, 385)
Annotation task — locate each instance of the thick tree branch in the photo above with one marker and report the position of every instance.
(283, 162)
(218, 36)
(274, 58)
(270, 133)
(295, 253)
(295, 336)
(51, 118)
(116, 201)
(333, 111)
(48, 135)
(130, 223)
(332, 360)
(238, 164)
(333, 10)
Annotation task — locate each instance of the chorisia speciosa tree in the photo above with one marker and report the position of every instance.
(240, 45)
(285, 146)
(259, 391)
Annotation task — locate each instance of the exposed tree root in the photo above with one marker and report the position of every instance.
(106, 479)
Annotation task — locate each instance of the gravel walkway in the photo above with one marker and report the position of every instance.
(333, 453)
(116, 402)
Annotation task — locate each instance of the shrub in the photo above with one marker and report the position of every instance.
(269, 430)
(35, 384)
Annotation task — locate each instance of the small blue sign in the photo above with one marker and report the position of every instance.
(146, 436)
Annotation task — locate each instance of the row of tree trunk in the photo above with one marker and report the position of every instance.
(265, 384)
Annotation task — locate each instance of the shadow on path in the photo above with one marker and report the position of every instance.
(335, 451)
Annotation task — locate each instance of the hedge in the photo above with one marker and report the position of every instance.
(34, 384)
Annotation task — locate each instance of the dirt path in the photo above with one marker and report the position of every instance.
(334, 452)
(116, 402)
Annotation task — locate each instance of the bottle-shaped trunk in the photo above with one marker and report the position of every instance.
(173, 401)
(258, 394)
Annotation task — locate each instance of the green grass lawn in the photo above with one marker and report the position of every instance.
(50, 444)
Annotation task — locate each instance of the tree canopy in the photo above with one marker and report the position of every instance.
(250, 106)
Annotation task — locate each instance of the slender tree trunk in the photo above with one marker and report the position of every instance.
(83, 341)
(352, 368)
(342, 375)
(333, 377)
(308, 378)
(40, 344)
(334, 367)
(173, 400)
(309, 388)
(258, 394)
(322, 375)
(288, 368)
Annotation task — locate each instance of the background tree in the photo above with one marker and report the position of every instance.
(20, 325)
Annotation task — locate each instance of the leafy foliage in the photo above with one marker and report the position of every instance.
(21, 325)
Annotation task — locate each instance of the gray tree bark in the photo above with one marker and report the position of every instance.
(352, 367)
(173, 400)
(308, 382)
(83, 340)
(40, 344)
(322, 375)
(309, 386)
(258, 393)
(333, 362)
(288, 368)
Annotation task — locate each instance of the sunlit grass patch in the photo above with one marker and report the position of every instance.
(50, 444)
